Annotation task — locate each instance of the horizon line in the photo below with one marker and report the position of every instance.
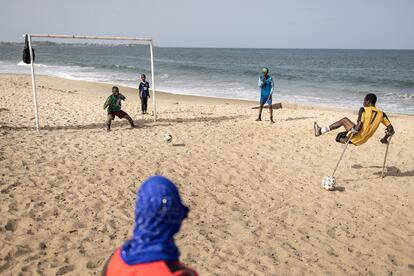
(214, 47)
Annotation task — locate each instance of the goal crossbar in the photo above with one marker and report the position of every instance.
(136, 40)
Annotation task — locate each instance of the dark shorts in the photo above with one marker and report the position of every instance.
(120, 114)
(342, 135)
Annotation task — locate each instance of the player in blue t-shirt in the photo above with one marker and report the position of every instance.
(266, 85)
(144, 93)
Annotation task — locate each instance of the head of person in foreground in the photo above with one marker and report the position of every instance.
(159, 213)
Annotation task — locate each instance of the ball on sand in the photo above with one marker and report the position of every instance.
(167, 137)
(328, 183)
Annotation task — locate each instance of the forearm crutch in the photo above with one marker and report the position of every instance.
(385, 158)
(340, 158)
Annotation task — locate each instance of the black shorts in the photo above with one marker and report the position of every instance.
(342, 135)
(120, 114)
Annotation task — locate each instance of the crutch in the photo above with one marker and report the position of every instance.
(385, 158)
(340, 158)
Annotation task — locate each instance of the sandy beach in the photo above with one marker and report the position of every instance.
(257, 208)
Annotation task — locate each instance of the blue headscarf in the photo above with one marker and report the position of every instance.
(159, 213)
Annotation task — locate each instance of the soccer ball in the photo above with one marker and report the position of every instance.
(167, 137)
(328, 183)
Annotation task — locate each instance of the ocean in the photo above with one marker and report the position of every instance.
(336, 78)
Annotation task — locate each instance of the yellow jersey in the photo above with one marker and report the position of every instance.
(370, 117)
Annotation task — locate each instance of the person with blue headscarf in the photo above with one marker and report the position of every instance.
(159, 213)
(266, 86)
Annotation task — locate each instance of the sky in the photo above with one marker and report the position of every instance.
(343, 24)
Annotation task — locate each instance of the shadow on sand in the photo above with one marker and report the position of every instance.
(178, 145)
(339, 189)
(389, 171)
(299, 118)
(139, 124)
(203, 119)
(52, 128)
(394, 171)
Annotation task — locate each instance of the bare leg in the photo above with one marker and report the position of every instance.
(109, 119)
(260, 113)
(145, 104)
(271, 114)
(129, 119)
(345, 122)
(142, 105)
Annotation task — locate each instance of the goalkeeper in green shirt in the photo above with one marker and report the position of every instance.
(113, 103)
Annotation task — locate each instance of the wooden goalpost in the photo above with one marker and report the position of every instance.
(148, 41)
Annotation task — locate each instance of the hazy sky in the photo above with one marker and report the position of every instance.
(369, 24)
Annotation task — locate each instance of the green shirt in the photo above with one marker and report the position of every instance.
(114, 102)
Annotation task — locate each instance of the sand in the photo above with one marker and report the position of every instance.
(67, 192)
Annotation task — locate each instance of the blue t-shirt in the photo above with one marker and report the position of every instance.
(266, 85)
(144, 89)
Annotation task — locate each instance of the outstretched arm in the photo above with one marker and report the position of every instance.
(106, 104)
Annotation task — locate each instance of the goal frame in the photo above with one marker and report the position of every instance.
(137, 40)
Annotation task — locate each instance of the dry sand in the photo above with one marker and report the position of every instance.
(67, 192)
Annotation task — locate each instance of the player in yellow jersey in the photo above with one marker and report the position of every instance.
(369, 118)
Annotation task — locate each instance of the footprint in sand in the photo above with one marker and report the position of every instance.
(332, 232)
(11, 225)
(13, 207)
(65, 269)
(7, 261)
(94, 263)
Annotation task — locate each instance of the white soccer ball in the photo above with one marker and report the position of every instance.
(328, 183)
(167, 137)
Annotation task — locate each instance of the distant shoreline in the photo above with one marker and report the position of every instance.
(51, 43)
(174, 96)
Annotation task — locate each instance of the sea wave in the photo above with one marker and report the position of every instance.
(62, 67)
(404, 96)
(377, 81)
(200, 68)
(21, 63)
(125, 67)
